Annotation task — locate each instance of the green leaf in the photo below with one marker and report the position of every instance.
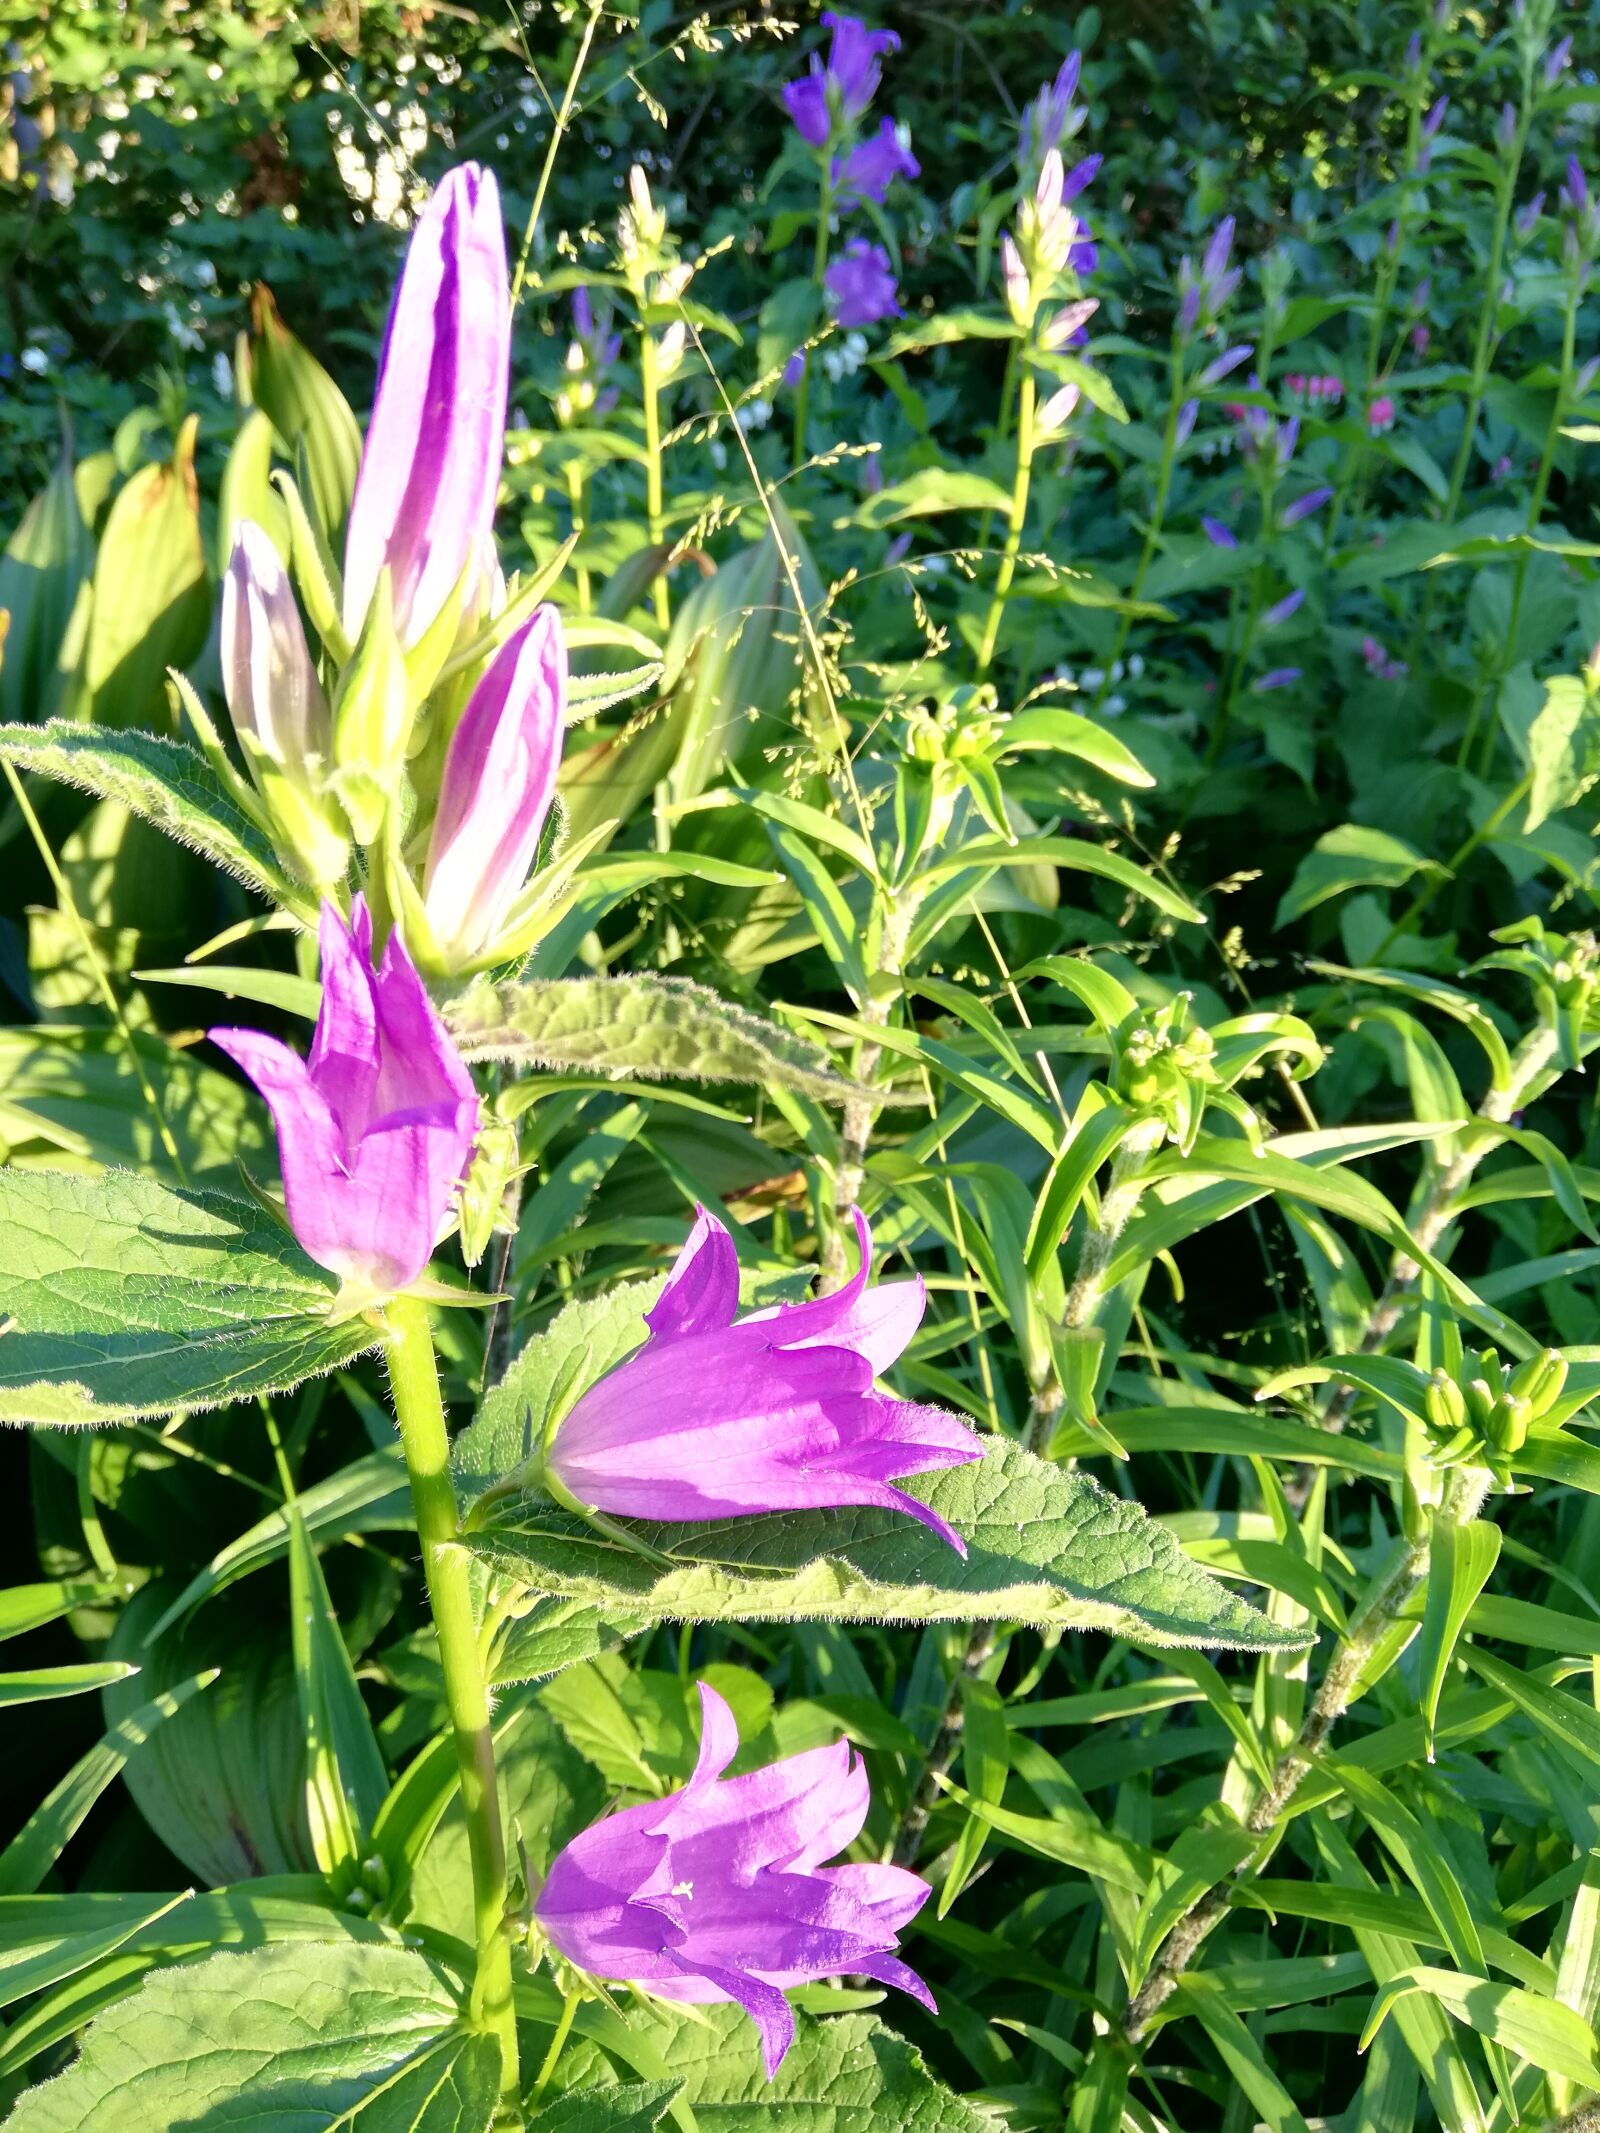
(1069, 853)
(345, 1779)
(985, 1764)
(1461, 1560)
(125, 1298)
(1531, 2025)
(1070, 733)
(42, 575)
(1563, 748)
(1051, 1549)
(307, 410)
(79, 1091)
(1207, 1852)
(166, 782)
(36, 1847)
(1241, 2054)
(637, 1025)
(927, 492)
(1347, 858)
(358, 2038)
(41, 1684)
(151, 604)
(635, 2108)
(847, 2075)
(966, 323)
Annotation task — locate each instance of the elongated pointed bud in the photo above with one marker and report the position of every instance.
(1540, 1381)
(278, 709)
(1443, 1404)
(499, 780)
(430, 470)
(372, 717)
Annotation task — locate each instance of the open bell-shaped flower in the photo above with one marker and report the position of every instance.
(718, 1416)
(720, 1891)
(375, 1127)
(430, 469)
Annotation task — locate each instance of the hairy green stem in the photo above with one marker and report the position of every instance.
(860, 1112)
(1027, 394)
(1083, 1303)
(650, 394)
(1342, 1684)
(419, 1410)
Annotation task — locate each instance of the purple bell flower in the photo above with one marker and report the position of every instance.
(1052, 117)
(425, 495)
(1303, 506)
(832, 97)
(720, 1892)
(862, 285)
(1219, 535)
(375, 1128)
(718, 1416)
(872, 166)
(1276, 678)
(499, 779)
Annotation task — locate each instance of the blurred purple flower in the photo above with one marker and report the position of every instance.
(1203, 295)
(1303, 506)
(499, 779)
(1217, 533)
(720, 1892)
(828, 100)
(1376, 659)
(861, 283)
(1053, 116)
(430, 469)
(795, 369)
(1183, 429)
(600, 345)
(375, 1129)
(1282, 609)
(1380, 415)
(1224, 365)
(1527, 217)
(1505, 131)
(1065, 328)
(1556, 59)
(1435, 118)
(872, 166)
(1275, 678)
(718, 1416)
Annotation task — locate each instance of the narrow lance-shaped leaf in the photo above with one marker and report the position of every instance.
(636, 1025)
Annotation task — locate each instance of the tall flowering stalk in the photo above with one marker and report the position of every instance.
(827, 105)
(655, 276)
(1041, 259)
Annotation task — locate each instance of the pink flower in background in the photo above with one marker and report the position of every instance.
(375, 1128)
(430, 469)
(718, 1416)
(720, 1892)
(1380, 415)
(1375, 658)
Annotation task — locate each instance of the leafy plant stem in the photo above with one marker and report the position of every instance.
(1027, 394)
(580, 571)
(1158, 513)
(1452, 866)
(650, 394)
(1084, 1299)
(1482, 349)
(1464, 1495)
(819, 266)
(1489, 693)
(419, 1410)
(860, 1112)
(563, 2029)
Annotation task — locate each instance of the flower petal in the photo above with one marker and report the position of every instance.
(702, 1291)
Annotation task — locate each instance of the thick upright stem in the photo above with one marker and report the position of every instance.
(650, 393)
(1026, 397)
(819, 267)
(1464, 1497)
(419, 1410)
(860, 1112)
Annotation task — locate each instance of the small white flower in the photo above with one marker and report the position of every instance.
(222, 376)
(35, 360)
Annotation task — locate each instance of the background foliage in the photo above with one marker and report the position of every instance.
(1353, 832)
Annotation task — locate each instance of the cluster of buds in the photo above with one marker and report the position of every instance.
(428, 730)
(591, 352)
(1054, 117)
(656, 277)
(1204, 293)
(1431, 123)
(1049, 241)
(1483, 1419)
(1380, 414)
(1563, 969)
(1375, 658)
(953, 748)
(1163, 1063)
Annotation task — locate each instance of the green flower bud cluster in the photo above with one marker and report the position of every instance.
(1483, 1419)
(1162, 1061)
